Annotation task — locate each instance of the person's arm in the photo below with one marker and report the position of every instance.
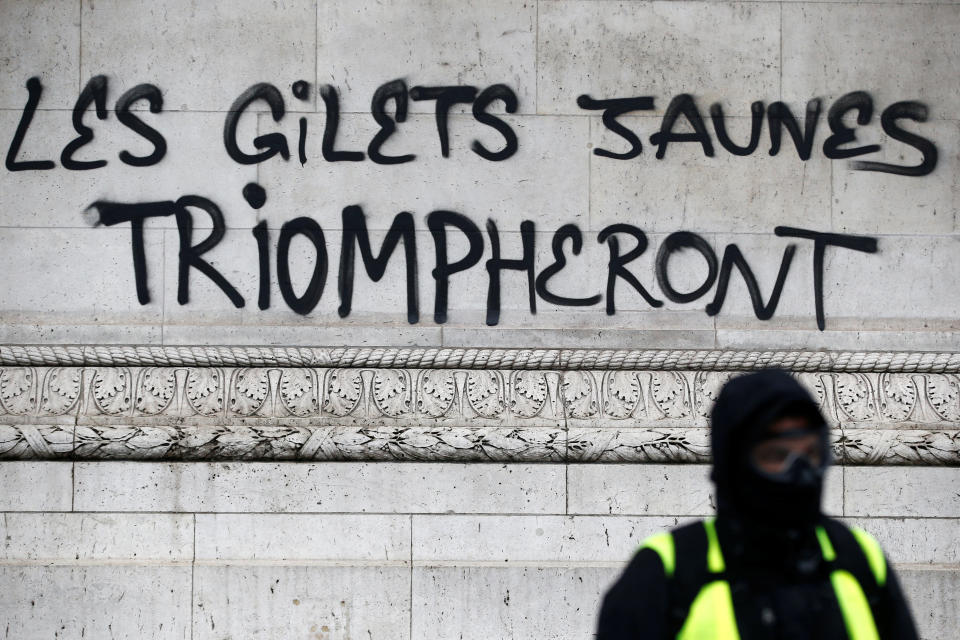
(894, 621)
(635, 607)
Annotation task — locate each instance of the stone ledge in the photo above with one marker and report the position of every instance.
(477, 358)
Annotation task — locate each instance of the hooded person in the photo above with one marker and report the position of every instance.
(770, 564)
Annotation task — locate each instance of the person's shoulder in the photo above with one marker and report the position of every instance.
(863, 537)
(854, 545)
(663, 546)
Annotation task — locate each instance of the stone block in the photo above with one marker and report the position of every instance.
(469, 42)
(321, 487)
(240, 538)
(54, 277)
(802, 337)
(201, 55)
(546, 180)
(915, 492)
(529, 540)
(934, 598)
(62, 538)
(508, 602)
(910, 277)
(36, 486)
(686, 190)
(42, 39)
(725, 52)
(832, 49)
(26, 332)
(914, 540)
(655, 489)
(99, 601)
(555, 337)
(188, 332)
(195, 163)
(869, 202)
(280, 602)
(640, 489)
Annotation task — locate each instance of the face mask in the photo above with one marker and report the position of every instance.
(781, 479)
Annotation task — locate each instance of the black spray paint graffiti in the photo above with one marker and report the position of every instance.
(355, 236)
(440, 223)
(271, 144)
(778, 116)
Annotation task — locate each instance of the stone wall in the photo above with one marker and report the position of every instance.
(418, 550)
(262, 458)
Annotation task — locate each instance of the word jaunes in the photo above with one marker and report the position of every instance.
(395, 94)
(441, 224)
(779, 118)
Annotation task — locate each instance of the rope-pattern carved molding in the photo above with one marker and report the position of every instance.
(264, 413)
(463, 358)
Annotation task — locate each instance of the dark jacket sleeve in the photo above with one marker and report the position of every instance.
(892, 613)
(635, 607)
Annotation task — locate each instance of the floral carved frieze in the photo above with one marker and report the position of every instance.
(316, 413)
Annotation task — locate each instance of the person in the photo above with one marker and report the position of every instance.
(770, 565)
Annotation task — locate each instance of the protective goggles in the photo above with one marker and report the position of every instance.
(778, 453)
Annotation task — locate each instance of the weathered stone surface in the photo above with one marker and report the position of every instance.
(920, 492)
(280, 602)
(655, 489)
(729, 194)
(98, 601)
(48, 47)
(323, 487)
(870, 202)
(63, 538)
(227, 47)
(612, 50)
(543, 181)
(799, 335)
(36, 486)
(468, 42)
(513, 597)
(929, 294)
(614, 337)
(915, 540)
(525, 540)
(933, 596)
(44, 295)
(238, 538)
(832, 49)
(640, 490)
(195, 163)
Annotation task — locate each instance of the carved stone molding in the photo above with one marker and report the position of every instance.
(443, 414)
(469, 358)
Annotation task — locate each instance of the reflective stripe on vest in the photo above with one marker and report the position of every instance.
(711, 614)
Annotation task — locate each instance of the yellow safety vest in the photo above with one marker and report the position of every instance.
(711, 614)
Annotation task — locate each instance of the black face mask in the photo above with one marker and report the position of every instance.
(790, 497)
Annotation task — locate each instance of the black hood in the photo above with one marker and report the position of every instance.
(745, 407)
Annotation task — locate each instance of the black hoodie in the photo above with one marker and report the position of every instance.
(780, 585)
